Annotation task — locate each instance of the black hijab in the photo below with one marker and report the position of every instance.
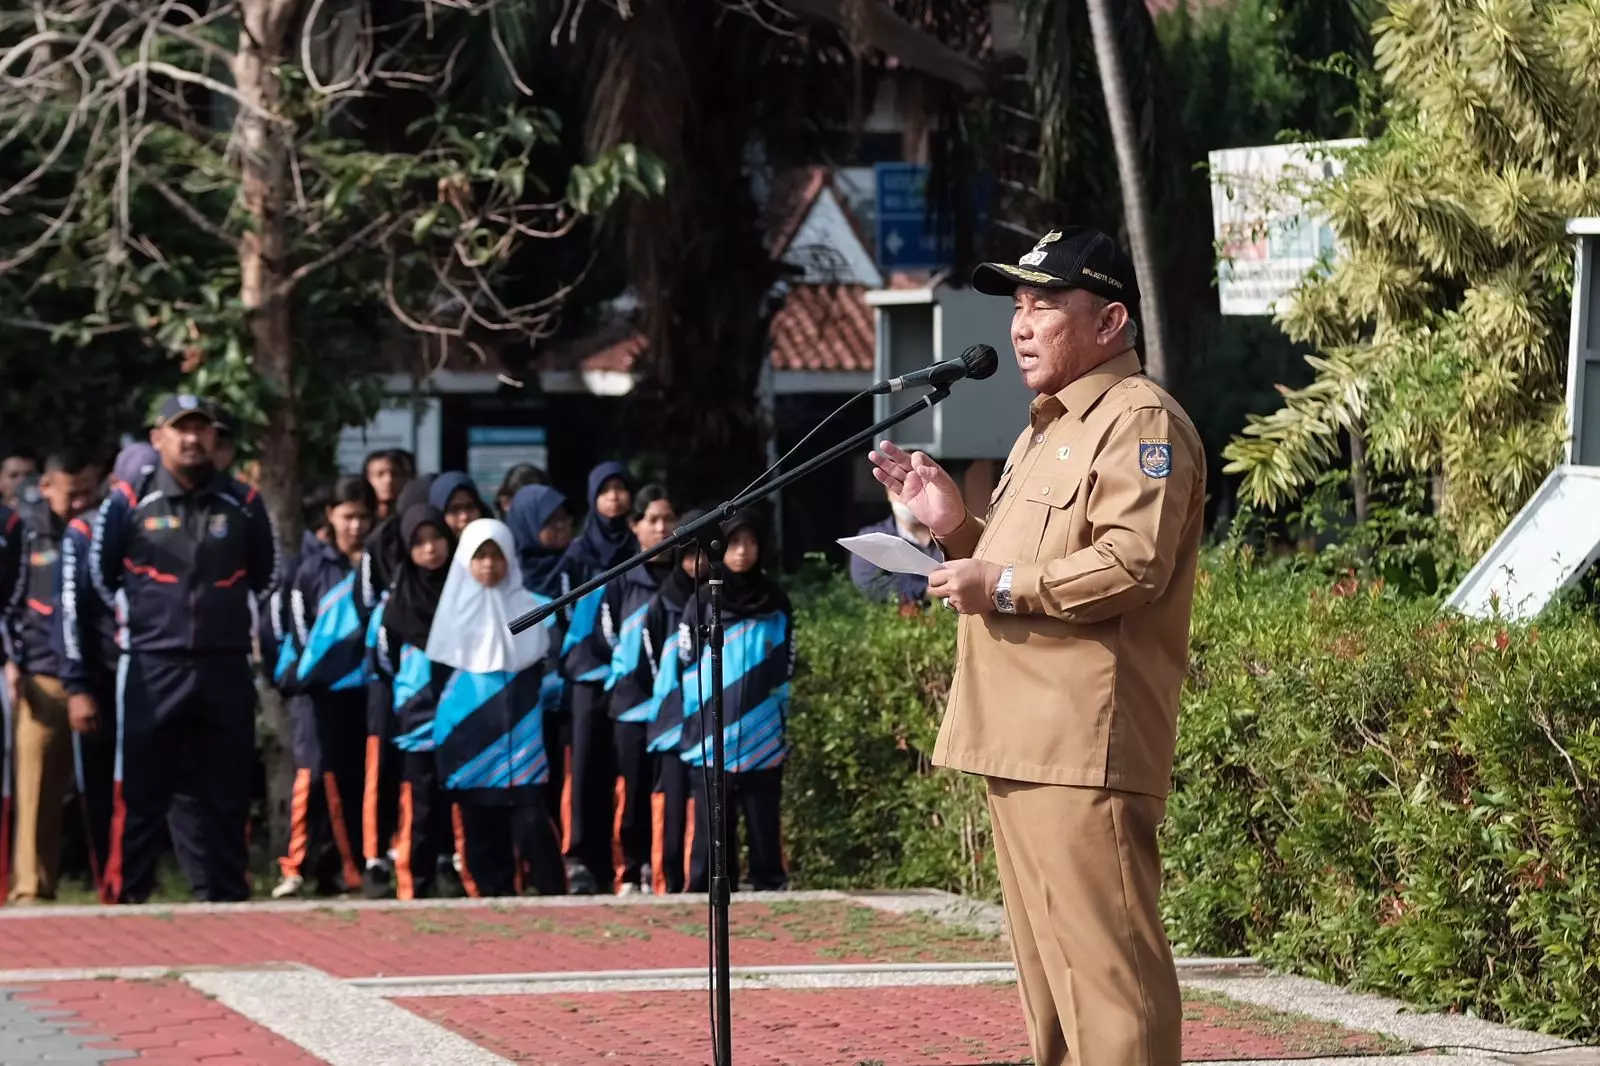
(751, 593)
(603, 542)
(385, 549)
(531, 508)
(409, 613)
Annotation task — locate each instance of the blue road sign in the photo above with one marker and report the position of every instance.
(905, 236)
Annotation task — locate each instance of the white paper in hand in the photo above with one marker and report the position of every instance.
(891, 553)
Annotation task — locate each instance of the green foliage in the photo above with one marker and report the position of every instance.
(1366, 789)
(864, 806)
(1442, 328)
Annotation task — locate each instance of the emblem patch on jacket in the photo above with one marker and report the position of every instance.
(1155, 457)
(219, 526)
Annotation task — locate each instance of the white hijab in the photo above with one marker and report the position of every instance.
(470, 626)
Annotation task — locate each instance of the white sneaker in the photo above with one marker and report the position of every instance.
(288, 887)
(628, 889)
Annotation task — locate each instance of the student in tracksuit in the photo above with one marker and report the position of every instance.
(88, 640)
(43, 759)
(667, 645)
(11, 590)
(488, 723)
(541, 526)
(189, 548)
(604, 541)
(380, 799)
(615, 643)
(309, 830)
(332, 668)
(758, 660)
(424, 836)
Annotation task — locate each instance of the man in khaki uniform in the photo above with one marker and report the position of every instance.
(1074, 591)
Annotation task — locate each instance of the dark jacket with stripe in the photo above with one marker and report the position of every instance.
(280, 646)
(87, 636)
(12, 581)
(330, 630)
(488, 735)
(189, 561)
(34, 620)
(757, 662)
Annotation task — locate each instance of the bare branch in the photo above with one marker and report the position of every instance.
(196, 217)
(344, 248)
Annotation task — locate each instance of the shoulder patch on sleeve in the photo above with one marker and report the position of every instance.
(1155, 456)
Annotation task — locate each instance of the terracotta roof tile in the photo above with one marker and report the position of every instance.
(823, 327)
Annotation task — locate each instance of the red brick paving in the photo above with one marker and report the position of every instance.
(166, 1022)
(934, 1026)
(402, 942)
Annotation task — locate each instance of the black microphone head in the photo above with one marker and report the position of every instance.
(981, 361)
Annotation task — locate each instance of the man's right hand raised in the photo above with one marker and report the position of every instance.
(922, 485)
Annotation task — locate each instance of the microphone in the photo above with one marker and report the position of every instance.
(977, 362)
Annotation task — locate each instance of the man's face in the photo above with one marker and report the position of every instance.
(1061, 334)
(12, 473)
(186, 444)
(69, 495)
(384, 479)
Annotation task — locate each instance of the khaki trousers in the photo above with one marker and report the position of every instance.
(1081, 877)
(43, 778)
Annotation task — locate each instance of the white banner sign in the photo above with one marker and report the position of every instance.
(1267, 235)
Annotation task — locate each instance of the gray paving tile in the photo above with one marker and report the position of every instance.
(35, 1035)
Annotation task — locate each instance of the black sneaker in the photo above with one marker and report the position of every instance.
(447, 879)
(377, 882)
(580, 882)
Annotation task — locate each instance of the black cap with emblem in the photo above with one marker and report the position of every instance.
(1074, 257)
(184, 405)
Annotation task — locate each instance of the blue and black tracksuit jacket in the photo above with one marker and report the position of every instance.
(632, 677)
(488, 734)
(415, 684)
(188, 559)
(666, 645)
(330, 631)
(87, 637)
(13, 583)
(757, 663)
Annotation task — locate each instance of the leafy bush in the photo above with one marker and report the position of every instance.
(1367, 789)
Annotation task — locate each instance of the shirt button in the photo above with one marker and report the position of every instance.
(1045, 490)
(1038, 438)
(1013, 492)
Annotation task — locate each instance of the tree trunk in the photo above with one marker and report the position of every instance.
(264, 292)
(1359, 490)
(1130, 172)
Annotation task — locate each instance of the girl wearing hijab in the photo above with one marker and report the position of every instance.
(455, 495)
(758, 662)
(404, 621)
(668, 644)
(606, 539)
(586, 662)
(488, 728)
(541, 525)
(518, 477)
(380, 792)
(610, 704)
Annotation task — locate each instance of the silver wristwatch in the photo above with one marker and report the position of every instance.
(1002, 593)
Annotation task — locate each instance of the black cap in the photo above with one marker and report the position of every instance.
(1074, 257)
(182, 405)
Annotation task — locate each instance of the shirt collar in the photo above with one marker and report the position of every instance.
(168, 483)
(1084, 392)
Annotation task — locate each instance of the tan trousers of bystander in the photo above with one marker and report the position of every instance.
(1081, 877)
(43, 777)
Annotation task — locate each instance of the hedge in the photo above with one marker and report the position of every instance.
(1367, 789)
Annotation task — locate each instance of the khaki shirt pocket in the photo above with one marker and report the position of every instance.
(1050, 511)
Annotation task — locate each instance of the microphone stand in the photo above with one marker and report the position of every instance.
(707, 532)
